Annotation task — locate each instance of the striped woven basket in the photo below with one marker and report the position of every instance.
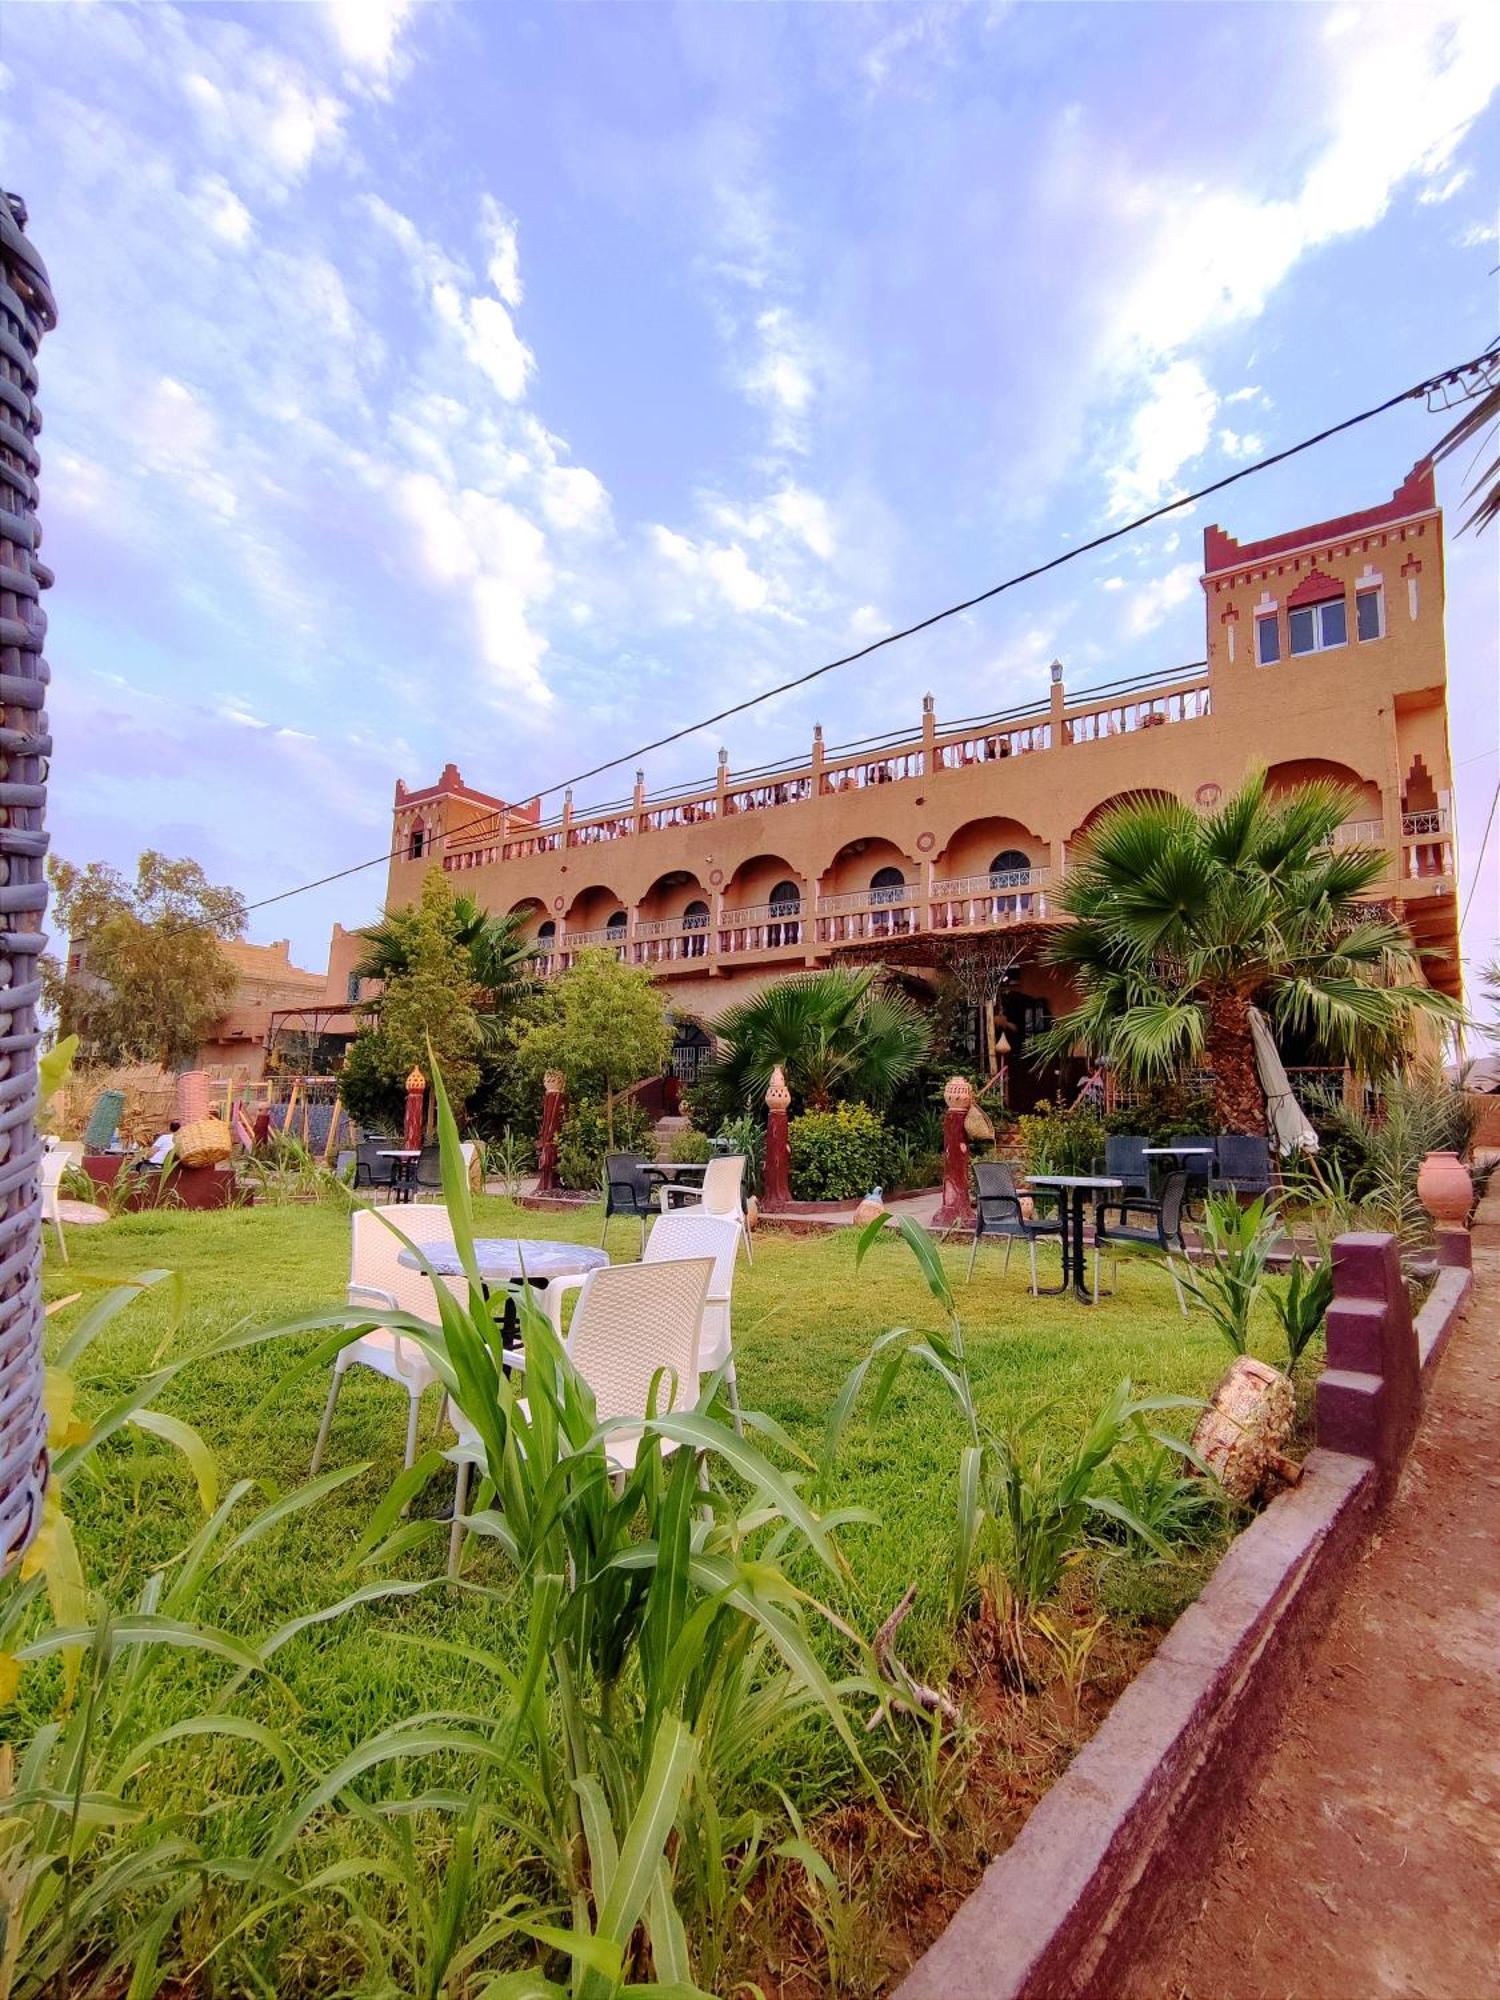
(204, 1143)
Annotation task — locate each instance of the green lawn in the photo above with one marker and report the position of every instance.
(803, 1315)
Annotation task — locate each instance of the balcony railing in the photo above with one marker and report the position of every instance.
(1007, 896)
(1148, 702)
(1358, 833)
(761, 927)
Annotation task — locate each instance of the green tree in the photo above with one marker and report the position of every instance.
(605, 1028)
(497, 950)
(427, 1008)
(153, 977)
(835, 1035)
(1183, 923)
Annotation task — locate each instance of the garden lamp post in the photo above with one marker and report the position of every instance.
(416, 1094)
(1002, 1049)
(546, 1141)
(778, 1174)
(957, 1210)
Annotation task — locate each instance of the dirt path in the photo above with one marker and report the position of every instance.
(1368, 1861)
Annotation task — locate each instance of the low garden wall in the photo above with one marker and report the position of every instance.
(1106, 1862)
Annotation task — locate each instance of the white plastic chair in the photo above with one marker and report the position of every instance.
(690, 1232)
(378, 1278)
(631, 1321)
(58, 1156)
(723, 1184)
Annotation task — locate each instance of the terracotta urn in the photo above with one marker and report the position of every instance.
(1445, 1190)
(778, 1097)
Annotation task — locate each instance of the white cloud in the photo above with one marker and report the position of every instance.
(1399, 89)
(724, 566)
(1241, 444)
(1152, 602)
(1436, 191)
(504, 261)
(868, 622)
(261, 111)
(1169, 429)
(495, 348)
(1113, 583)
(223, 212)
(368, 33)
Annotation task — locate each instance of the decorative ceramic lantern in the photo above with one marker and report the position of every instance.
(958, 1093)
(1445, 1190)
(778, 1097)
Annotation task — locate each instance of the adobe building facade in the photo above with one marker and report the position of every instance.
(1324, 657)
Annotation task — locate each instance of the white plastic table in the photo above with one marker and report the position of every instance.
(1073, 1188)
(403, 1161)
(504, 1260)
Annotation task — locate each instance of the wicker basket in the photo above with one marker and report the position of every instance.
(204, 1143)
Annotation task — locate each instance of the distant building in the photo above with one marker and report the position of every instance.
(1324, 657)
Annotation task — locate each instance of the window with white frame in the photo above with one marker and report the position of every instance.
(1369, 612)
(1267, 639)
(1315, 628)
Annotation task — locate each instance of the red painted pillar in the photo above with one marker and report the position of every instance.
(778, 1174)
(546, 1142)
(957, 1209)
(416, 1093)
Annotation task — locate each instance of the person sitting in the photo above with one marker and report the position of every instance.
(161, 1148)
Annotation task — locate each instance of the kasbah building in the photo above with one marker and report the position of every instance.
(1324, 657)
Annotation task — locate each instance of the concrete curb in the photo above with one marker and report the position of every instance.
(1108, 1859)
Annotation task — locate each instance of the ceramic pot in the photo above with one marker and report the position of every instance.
(1445, 1190)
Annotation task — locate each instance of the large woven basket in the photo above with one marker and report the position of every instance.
(204, 1143)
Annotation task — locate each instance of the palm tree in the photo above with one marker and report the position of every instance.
(1186, 922)
(499, 955)
(834, 1034)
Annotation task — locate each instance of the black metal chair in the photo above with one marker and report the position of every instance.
(998, 1212)
(1161, 1230)
(1125, 1161)
(429, 1175)
(627, 1191)
(1242, 1164)
(1200, 1173)
(369, 1169)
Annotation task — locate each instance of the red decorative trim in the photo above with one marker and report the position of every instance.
(715, 877)
(1209, 794)
(926, 842)
(1315, 588)
(1417, 494)
(1411, 567)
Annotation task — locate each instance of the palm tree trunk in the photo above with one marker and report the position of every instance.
(1239, 1101)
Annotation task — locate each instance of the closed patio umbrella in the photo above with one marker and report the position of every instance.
(1290, 1130)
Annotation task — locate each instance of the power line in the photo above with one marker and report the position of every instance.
(1421, 388)
(1479, 864)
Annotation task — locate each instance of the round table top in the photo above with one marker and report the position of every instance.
(398, 1153)
(1180, 1152)
(1074, 1180)
(503, 1257)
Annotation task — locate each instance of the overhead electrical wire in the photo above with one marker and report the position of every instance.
(1422, 388)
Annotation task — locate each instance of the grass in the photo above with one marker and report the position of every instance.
(802, 1317)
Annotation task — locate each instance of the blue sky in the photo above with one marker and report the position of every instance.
(508, 383)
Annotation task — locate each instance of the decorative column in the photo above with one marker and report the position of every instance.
(546, 1143)
(957, 1209)
(416, 1096)
(778, 1173)
(27, 312)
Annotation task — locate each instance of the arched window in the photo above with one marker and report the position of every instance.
(616, 924)
(545, 933)
(887, 885)
(695, 923)
(785, 926)
(1009, 861)
(416, 846)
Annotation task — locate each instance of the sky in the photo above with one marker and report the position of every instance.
(510, 384)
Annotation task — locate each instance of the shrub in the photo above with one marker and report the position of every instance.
(1164, 1111)
(1379, 1156)
(747, 1135)
(1059, 1141)
(371, 1083)
(689, 1149)
(838, 1155)
(584, 1141)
